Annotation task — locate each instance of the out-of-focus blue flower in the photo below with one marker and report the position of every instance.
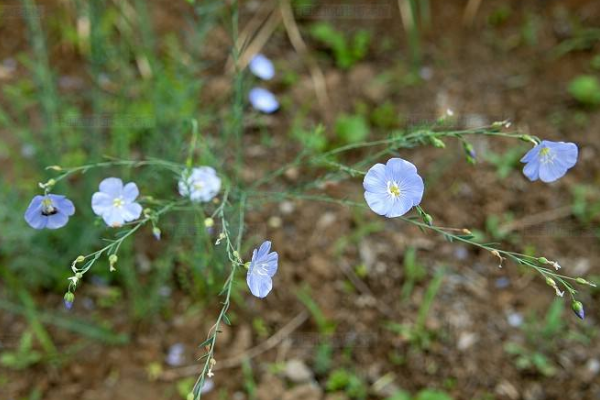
(50, 211)
(115, 203)
(549, 161)
(201, 184)
(262, 67)
(394, 188)
(261, 270)
(175, 356)
(263, 100)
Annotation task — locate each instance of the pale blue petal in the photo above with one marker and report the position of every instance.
(567, 153)
(131, 211)
(563, 157)
(396, 168)
(399, 207)
(101, 203)
(57, 220)
(532, 170)
(263, 100)
(130, 192)
(113, 218)
(375, 179)
(33, 215)
(551, 172)
(379, 203)
(532, 154)
(262, 67)
(269, 264)
(112, 186)
(63, 204)
(412, 187)
(260, 285)
(263, 250)
(202, 185)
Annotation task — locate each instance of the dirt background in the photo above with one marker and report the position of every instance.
(475, 71)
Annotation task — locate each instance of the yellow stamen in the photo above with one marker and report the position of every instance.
(394, 190)
(118, 202)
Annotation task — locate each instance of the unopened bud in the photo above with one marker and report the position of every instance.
(438, 143)
(55, 168)
(156, 232)
(542, 260)
(585, 282)
(577, 308)
(527, 138)
(80, 259)
(209, 222)
(428, 219)
(112, 260)
(68, 299)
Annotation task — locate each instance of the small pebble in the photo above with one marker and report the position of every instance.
(297, 372)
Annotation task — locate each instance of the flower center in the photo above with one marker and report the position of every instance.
(48, 208)
(394, 189)
(546, 156)
(198, 185)
(118, 202)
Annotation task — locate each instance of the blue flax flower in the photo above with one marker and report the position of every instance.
(394, 188)
(50, 211)
(262, 67)
(262, 268)
(200, 184)
(549, 161)
(115, 203)
(263, 100)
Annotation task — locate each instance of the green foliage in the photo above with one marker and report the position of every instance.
(347, 381)
(586, 90)
(499, 15)
(323, 358)
(417, 333)
(400, 395)
(530, 30)
(586, 203)
(425, 394)
(384, 116)
(525, 359)
(428, 394)
(313, 140)
(542, 342)
(595, 63)
(506, 162)
(351, 128)
(184, 387)
(414, 272)
(325, 325)
(347, 50)
(495, 223)
(24, 356)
